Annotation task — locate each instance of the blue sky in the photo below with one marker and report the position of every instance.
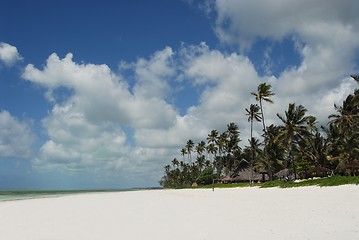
(104, 94)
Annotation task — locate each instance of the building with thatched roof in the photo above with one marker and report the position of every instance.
(352, 167)
(319, 171)
(283, 174)
(246, 175)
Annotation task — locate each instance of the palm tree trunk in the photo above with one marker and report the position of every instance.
(293, 160)
(265, 133)
(264, 126)
(252, 151)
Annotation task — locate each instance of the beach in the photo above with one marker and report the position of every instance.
(198, 214)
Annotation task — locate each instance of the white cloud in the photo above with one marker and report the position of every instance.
(150, 75)
(324, 32)
(240, 22)
(231, 77)
(103, 96)
(9, 54)
(92, 129)
(16, 138)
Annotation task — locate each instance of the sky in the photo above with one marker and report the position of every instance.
(103, 94)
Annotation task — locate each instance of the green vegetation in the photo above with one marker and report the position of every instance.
(295, 149)
(322, 182)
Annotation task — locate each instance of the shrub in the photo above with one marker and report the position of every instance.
(206, 176)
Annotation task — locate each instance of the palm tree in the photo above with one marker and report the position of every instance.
(273, 162)
(183, 152)
(189, 147)
(232, 147)
(263, 93)
(255, 150)
(200, 162)
(253, 114)
(347, 115)
(200, 148)
(233, 138)
(344, 132)
(212, 149)
(212, 137)
(315, 150)
(175, 163)
(295, 127)
(222, 142)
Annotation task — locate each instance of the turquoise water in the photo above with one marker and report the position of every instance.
(10, 195)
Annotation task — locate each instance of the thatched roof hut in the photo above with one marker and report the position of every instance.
(283, 174)
(353, 166)
(247, 174)
(319, 171)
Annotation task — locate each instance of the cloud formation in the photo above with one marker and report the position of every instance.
(16, 138)
(241, 22)
(92, 129)
(324, 32)
(9, 54)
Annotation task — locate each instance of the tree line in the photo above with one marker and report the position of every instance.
(296, 145)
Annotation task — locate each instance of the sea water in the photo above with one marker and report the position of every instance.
(10, 195)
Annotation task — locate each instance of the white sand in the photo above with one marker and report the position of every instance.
(247, 213)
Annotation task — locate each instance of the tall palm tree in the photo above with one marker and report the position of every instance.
(253, 114)
(255, 150)
(344, 147)
(183, 152)
(222, 142)
(231, 147)
(200, 162)
(175, 163)
(233, 138)
(316, 150)
(273, 162)
(189, 147)
(347, 115)
(263, 93)
(295, 128)
(200, 148)
(212, 137)
(212, 149)
(212, 140)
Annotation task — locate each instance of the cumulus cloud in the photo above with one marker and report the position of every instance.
(92, 129)
(240, 22)
(9, 54)
(324, 32)
(103, 96)
(16, 138)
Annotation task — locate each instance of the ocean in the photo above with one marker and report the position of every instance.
(11, 195)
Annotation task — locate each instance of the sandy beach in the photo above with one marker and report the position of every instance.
(238, 213)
